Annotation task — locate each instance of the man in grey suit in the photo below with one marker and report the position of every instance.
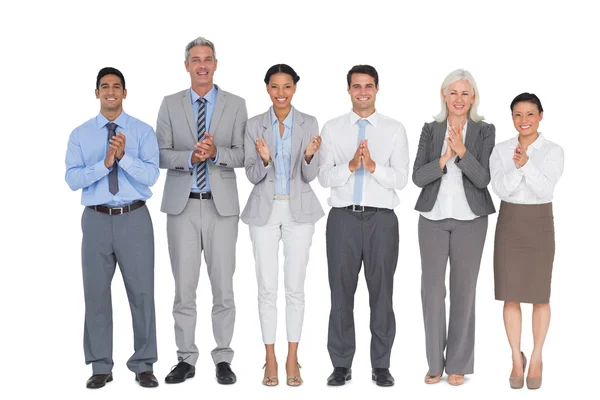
(201, 139)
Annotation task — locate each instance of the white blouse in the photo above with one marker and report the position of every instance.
(534, 182)
(451, 200)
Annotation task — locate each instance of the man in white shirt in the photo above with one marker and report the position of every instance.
(364, 159)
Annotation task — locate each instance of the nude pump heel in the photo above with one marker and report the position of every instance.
(535, 383)
(516, 382)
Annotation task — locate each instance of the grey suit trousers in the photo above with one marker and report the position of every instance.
(462, 242)
(199, 228)
(354, 238)
(126, 239)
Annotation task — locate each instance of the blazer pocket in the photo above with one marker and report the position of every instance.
(306, 199)
(227, 174)
(172, 172)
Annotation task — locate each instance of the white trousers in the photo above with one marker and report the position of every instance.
(297, 238)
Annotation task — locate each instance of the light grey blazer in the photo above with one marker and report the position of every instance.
(177, 133)
(475, 165)
(304, 203)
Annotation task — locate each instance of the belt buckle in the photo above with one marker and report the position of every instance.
(110, 210)
(356, 208)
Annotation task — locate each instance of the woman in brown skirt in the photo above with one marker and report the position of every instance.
(524, 171)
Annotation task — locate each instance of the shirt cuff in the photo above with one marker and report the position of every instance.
(190, 166)
(214, 160)
(125, 162)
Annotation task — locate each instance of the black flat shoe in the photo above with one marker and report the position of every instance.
(382, 377)
(181, 372)
(225, 375)
(339, 376)
(98, 380)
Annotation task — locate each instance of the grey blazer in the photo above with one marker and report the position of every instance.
(304, 203)
(177, 134)
(475, 165)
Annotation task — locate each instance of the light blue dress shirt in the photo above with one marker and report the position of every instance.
(138, 168)
(283, 152)
(211, 101)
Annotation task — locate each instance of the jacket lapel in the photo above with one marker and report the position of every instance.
(186, 103)
(473, 129)
(297, 135)
(439, 135)
(219, 107)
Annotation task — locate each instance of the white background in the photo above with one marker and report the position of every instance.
(51, 53)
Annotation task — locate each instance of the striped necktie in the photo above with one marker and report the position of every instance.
(201, 166)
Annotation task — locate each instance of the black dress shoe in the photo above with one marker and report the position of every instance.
(382, 377)
(146, 379)
(98, 380)
(181, 372)
(339, 376)
(225, 375)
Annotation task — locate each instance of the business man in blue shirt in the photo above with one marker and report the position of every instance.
(113, 157)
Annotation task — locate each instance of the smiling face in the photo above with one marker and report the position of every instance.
(111, 94)
(281, 89)
(526, 118)
(201, 65)
(363, 93)
(459, 98)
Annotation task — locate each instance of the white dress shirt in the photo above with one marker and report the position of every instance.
(388, 146)
(534, 182)
(451, 200)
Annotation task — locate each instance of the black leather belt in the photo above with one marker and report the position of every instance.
(356, 208)
(203, 196)
(118, 210)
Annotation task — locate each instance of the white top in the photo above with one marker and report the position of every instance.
(388, 146)
(534, 182)
(451, 200)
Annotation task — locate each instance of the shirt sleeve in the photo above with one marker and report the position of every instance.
(330, 174)
(79, 175)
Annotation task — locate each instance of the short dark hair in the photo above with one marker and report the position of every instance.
(109, 71)
(284, 69)
(363, 69)
(529, 98)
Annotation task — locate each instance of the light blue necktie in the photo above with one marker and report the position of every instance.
(359, 174)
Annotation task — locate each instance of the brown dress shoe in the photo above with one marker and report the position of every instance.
(146, 379)
(98, 380)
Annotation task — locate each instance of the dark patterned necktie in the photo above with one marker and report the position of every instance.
(201, 166)
(113, 175)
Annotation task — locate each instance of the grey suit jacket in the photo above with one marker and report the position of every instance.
(304, 203)
(475, 165)
(177, 134)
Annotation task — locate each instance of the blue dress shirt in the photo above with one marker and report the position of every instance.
(211, 101)
(283, 153)
(138, 168)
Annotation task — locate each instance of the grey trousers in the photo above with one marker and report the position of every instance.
(128, 240)
(200, 228)
(354, 238)
(462, 242)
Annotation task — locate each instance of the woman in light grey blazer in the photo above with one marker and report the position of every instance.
(452, 167)
(281, 149)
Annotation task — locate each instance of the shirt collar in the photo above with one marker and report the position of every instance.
(537, 144)
(373, 118)
(121, 120)
(288, 120)
(211, 96)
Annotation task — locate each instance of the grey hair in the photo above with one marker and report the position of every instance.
(452, 77)
(199, 41)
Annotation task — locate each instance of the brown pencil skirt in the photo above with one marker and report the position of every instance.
(524, 253)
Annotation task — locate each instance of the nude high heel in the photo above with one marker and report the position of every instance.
(535, 383)
(516, 382)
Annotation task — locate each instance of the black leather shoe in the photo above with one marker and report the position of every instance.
(225, 375)
(146, 379)
(339, 376)
(98, 380)
(181, 372)
(382, 377)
